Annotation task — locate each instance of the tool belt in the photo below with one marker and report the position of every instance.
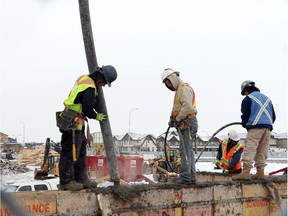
(185, 123)
(65, 119)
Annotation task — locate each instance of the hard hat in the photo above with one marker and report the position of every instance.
(109, 73)
(246, 83)
(233, 135)
(167, 72)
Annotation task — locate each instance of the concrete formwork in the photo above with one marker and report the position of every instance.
(212, 195)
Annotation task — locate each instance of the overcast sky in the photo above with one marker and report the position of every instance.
(215, 44)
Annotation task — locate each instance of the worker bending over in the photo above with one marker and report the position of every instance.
(80, 105)
(229, 154)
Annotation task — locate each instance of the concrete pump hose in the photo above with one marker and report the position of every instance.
(220, 129)
(184, 150)
(165, 149)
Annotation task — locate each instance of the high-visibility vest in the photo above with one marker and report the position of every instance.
(261, 109)
(178, 103)
(227, 156)
(81, 84)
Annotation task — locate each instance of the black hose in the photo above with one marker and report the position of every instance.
(227, 125)
(220, 129)
(165, 150)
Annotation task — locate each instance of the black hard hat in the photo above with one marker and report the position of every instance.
(109, 73)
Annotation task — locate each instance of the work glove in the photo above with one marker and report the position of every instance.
(217, 162)
(176, 124)
(226, 171)
(100, 117)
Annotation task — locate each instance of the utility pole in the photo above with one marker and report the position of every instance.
(129, 125)
(101, 104)
(23, 125)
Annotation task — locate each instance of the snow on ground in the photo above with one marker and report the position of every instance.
(200, 166)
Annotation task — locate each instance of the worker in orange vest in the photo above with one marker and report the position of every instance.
(183, 118)
(229, 154)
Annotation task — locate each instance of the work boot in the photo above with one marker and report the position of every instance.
(245, 175)
(186, 182)
(88, 183)
(259, 175)
(72, 185)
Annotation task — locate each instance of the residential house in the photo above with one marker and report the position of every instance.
(132, 142)
(172, 140)
(147, 143)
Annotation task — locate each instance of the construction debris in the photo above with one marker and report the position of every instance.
(26, 157)
(9, 167)
(32, 157)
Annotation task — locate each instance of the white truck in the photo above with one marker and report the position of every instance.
(37, 185)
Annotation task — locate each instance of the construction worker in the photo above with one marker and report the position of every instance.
(258, 116)
(80, 104)
(183, 118)
(229, 154)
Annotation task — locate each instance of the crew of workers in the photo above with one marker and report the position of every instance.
(258, 116)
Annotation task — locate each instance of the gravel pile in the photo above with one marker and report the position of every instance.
(9, 167)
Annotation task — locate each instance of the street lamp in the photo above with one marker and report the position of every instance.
(23, 124)
(130, 123)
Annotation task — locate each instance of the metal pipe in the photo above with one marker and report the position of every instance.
(101, 104)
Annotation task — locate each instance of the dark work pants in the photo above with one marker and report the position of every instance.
(69, 170)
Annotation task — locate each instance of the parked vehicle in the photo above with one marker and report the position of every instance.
(50, 184)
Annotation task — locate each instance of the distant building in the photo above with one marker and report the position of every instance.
(281, 140)
(96, 143)
(4, 138)
(10, 147)
(133, 142)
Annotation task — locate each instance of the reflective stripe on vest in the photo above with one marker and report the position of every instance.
(81, 84)
(226, 158)
(178, 103)
(261, 110)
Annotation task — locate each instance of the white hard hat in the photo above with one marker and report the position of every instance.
(167, 72)
(246, 83)
(233, 135)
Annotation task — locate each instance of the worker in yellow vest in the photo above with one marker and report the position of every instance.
(183, 118)
(229, 154)
(79, 106)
